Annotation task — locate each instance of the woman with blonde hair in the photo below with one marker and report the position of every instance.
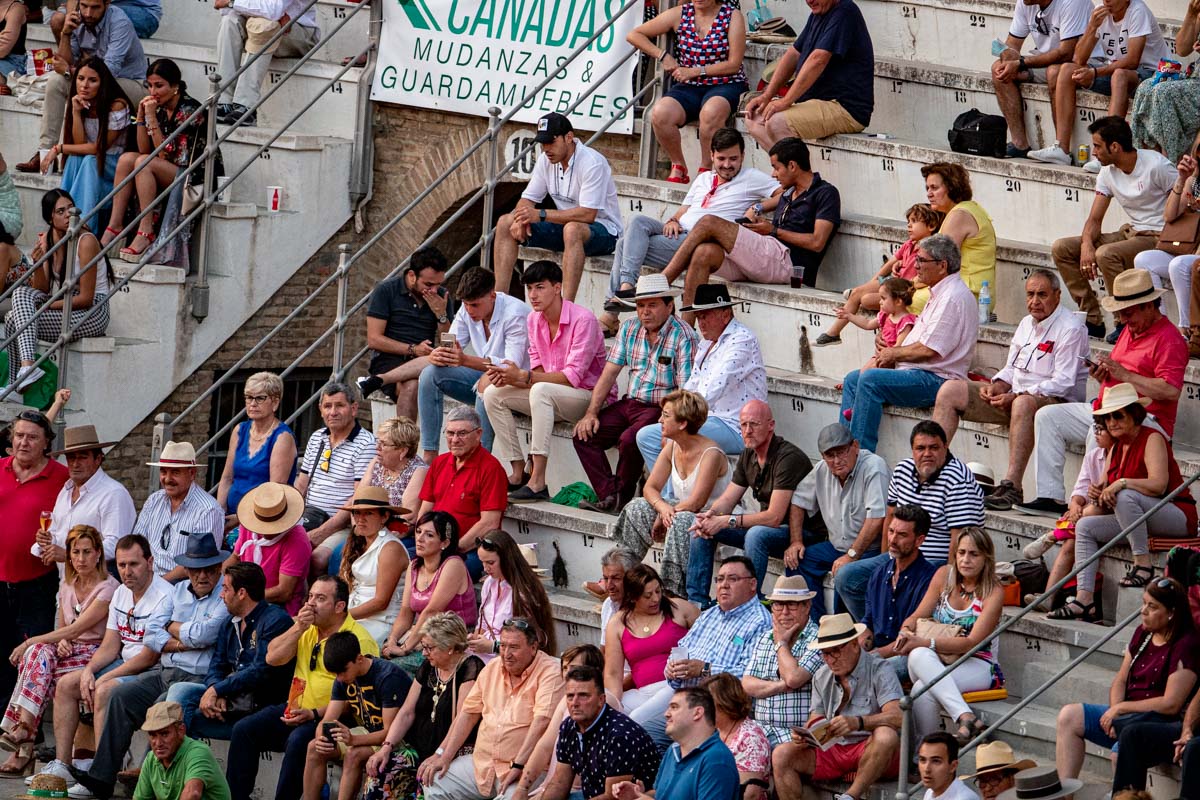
(83, 600)
(397, 466)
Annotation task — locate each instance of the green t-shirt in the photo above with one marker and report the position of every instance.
(192, 760)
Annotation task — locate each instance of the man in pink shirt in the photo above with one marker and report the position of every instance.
(938, 348)
(566, 357)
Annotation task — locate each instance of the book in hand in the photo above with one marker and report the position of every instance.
(818, 735)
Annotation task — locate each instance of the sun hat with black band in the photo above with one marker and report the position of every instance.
(835, 630)
(1131, 288)
(270, 508)
(372, 498)
(1040, 783)
(648, 287)
(997, 757)
(710, 296)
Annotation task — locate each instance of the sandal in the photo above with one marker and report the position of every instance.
(1137, 577)
(1073, 609)
(9, 741)
(682, 177)
(969, 726)
(133, 256)
(25, 755)
(107, 230)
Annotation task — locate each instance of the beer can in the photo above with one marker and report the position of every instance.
(274, 199)
(1084, 153)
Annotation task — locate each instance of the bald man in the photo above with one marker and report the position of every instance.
(774, 467)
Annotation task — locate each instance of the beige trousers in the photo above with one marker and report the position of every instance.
(544, 403)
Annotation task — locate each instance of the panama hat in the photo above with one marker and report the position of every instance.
(649, 287)
(176, 454)
(995, 756)
(201, 552)
(1131, 288)
(372, 498)
(529, 553)
(1040, 783)
(984, 475)
(791, 589)
(80, 438)
(835, 630)
(258, 32)
(270, 508)
(1117, 397)
(710, 296)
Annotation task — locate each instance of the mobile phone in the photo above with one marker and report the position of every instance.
(447, 339)
(743, 220)
(1087, 360)
(327, 730)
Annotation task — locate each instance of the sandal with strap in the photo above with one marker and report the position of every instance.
(107, 230)
(24, 754)
(133, 256)
(682, 177)
(1073, 609)
(1137, 577)
(969, 726)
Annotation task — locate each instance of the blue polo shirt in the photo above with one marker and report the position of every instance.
(888, 608)
(707, 773)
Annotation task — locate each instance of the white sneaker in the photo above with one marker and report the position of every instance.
(80, 792)
(1051, 155)
(1038, 547)
(1092, 166)
(56, 768)
(27, 376)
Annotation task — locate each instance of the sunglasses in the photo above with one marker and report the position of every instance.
(325, 456)
(165, 536)
(316, 653)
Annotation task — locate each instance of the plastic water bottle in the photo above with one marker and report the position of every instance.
(985, 304)
(30, 64)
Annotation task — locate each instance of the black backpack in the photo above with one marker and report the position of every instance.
(979, 134)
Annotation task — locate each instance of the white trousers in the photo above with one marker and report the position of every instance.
(1173, 271)
(974, 675)
(231, 45)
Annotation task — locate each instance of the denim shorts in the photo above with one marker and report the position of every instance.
(692, 96)
(549, 236)
(1103, 83)
(1091, 726)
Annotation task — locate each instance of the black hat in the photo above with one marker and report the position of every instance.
(551, 126)
(710, 296)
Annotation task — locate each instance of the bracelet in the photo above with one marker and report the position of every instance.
(517, 766)
(861, 725)
(661, 56)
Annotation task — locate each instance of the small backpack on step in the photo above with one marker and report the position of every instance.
(979, 134)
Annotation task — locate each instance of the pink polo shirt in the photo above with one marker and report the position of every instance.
(948, 325)
(577, 350)
(1160, 352)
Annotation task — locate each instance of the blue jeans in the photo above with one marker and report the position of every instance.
(759, 543)
(458, 383)
(265, 730)
(851, 582)
(641, 244)
(864, 393)
(198, 726)
(14, 63)
(145, 24)
(818, 560)
(649, 442)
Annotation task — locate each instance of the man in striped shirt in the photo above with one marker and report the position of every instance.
(177, 511)
(939, 483)
(657, 348)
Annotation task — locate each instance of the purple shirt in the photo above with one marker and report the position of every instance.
(948, 325)
(577, 350)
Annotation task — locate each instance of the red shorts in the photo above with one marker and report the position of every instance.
(841, 759)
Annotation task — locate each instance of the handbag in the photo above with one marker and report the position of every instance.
(979, 134)
(929, 629)
(1181, 237)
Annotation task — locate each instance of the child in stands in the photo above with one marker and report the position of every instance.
(893, 321)
(923, 221)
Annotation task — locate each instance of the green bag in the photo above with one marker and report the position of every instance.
(41, 394)
(574, 494)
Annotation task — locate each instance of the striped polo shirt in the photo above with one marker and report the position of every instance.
(333, 471)
(951, 496)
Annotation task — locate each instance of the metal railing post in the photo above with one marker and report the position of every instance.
(648, 146)
(64, 336)
(905, 744)
(339, 337)
(200, 289)
(489, 199)
(164, 430)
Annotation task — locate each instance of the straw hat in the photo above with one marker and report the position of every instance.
(995, 756)
(270, 508)
(1117, 397)
(529, 552)
(258, 32)
(180, 455)
(372, 498)
(984, 475)
(791, 589)
(79, 438)
(1131, 288)
(835, 630)
(649, 287)
(1040, 783)
(44, 786)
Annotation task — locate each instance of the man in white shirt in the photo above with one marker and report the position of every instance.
(89, 497)
(725, 191)
(1120, 48)
(1140, 181)
(937, 761)
(493, 325)
(585, 220)
(728, 372)
(1045, 366)
(246, 27)
(1055, 27)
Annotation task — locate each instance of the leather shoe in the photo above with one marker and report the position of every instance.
(32, 165)
(608, 505)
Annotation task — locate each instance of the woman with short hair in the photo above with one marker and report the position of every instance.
(948, 190)
(744, 737)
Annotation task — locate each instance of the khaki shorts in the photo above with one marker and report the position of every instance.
(980, 410)
(816, 119)
(757, 259)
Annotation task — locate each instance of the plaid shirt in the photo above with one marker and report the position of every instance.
(778, 714)
(725, 638)
(654, 371)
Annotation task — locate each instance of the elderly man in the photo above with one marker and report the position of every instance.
(511, 702)
(788, 247)
(178, 512)
(779, 675)
(725, 191)
(938, 348)
(89, 497)
(1045, 366)
(566, 358)
(1151, 354)
(858, 695)
(494, 325)
(186, 645)
(846, 495)
(698, 765)
(774, 467)
(586, 218)
(404, 321)
(613, 566)
(728, 373)
(996, 767)
(29, 483)
(93, 28)
(657, 348)
(334, 460)
(597, 744)
(466, 482)
(939, 483)
(177, 767)
(831, 69)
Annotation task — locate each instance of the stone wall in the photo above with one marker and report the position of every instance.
(412, 147)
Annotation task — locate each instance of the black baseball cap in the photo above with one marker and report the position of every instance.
(551, 126)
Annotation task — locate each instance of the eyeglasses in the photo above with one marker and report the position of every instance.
(929, 260)
(460, 434)
(256, 399)
(33, 416)
(488, 544)
(426, 647)
(316, 652)
(733, 578)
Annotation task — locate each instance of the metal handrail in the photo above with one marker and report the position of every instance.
(906, 702)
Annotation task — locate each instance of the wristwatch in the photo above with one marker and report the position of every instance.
(852, 553)
(1021, 63)
(443, 319)
(733, 520)
(441, 751)
(541, 214)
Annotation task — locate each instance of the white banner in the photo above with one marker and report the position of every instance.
(463, 56)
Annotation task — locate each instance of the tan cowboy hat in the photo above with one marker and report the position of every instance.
(835, 630)
(79, 438)
(1131, 288)
(529, 552)
(1117, 397)
(270, 508)
(995, 756)
(372, 498)
(1041, 783)
(44, 786)
(176, 454)
(791, 589)
(650, 286)
(258, 32)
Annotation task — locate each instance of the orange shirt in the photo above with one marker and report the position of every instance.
(508, 707)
